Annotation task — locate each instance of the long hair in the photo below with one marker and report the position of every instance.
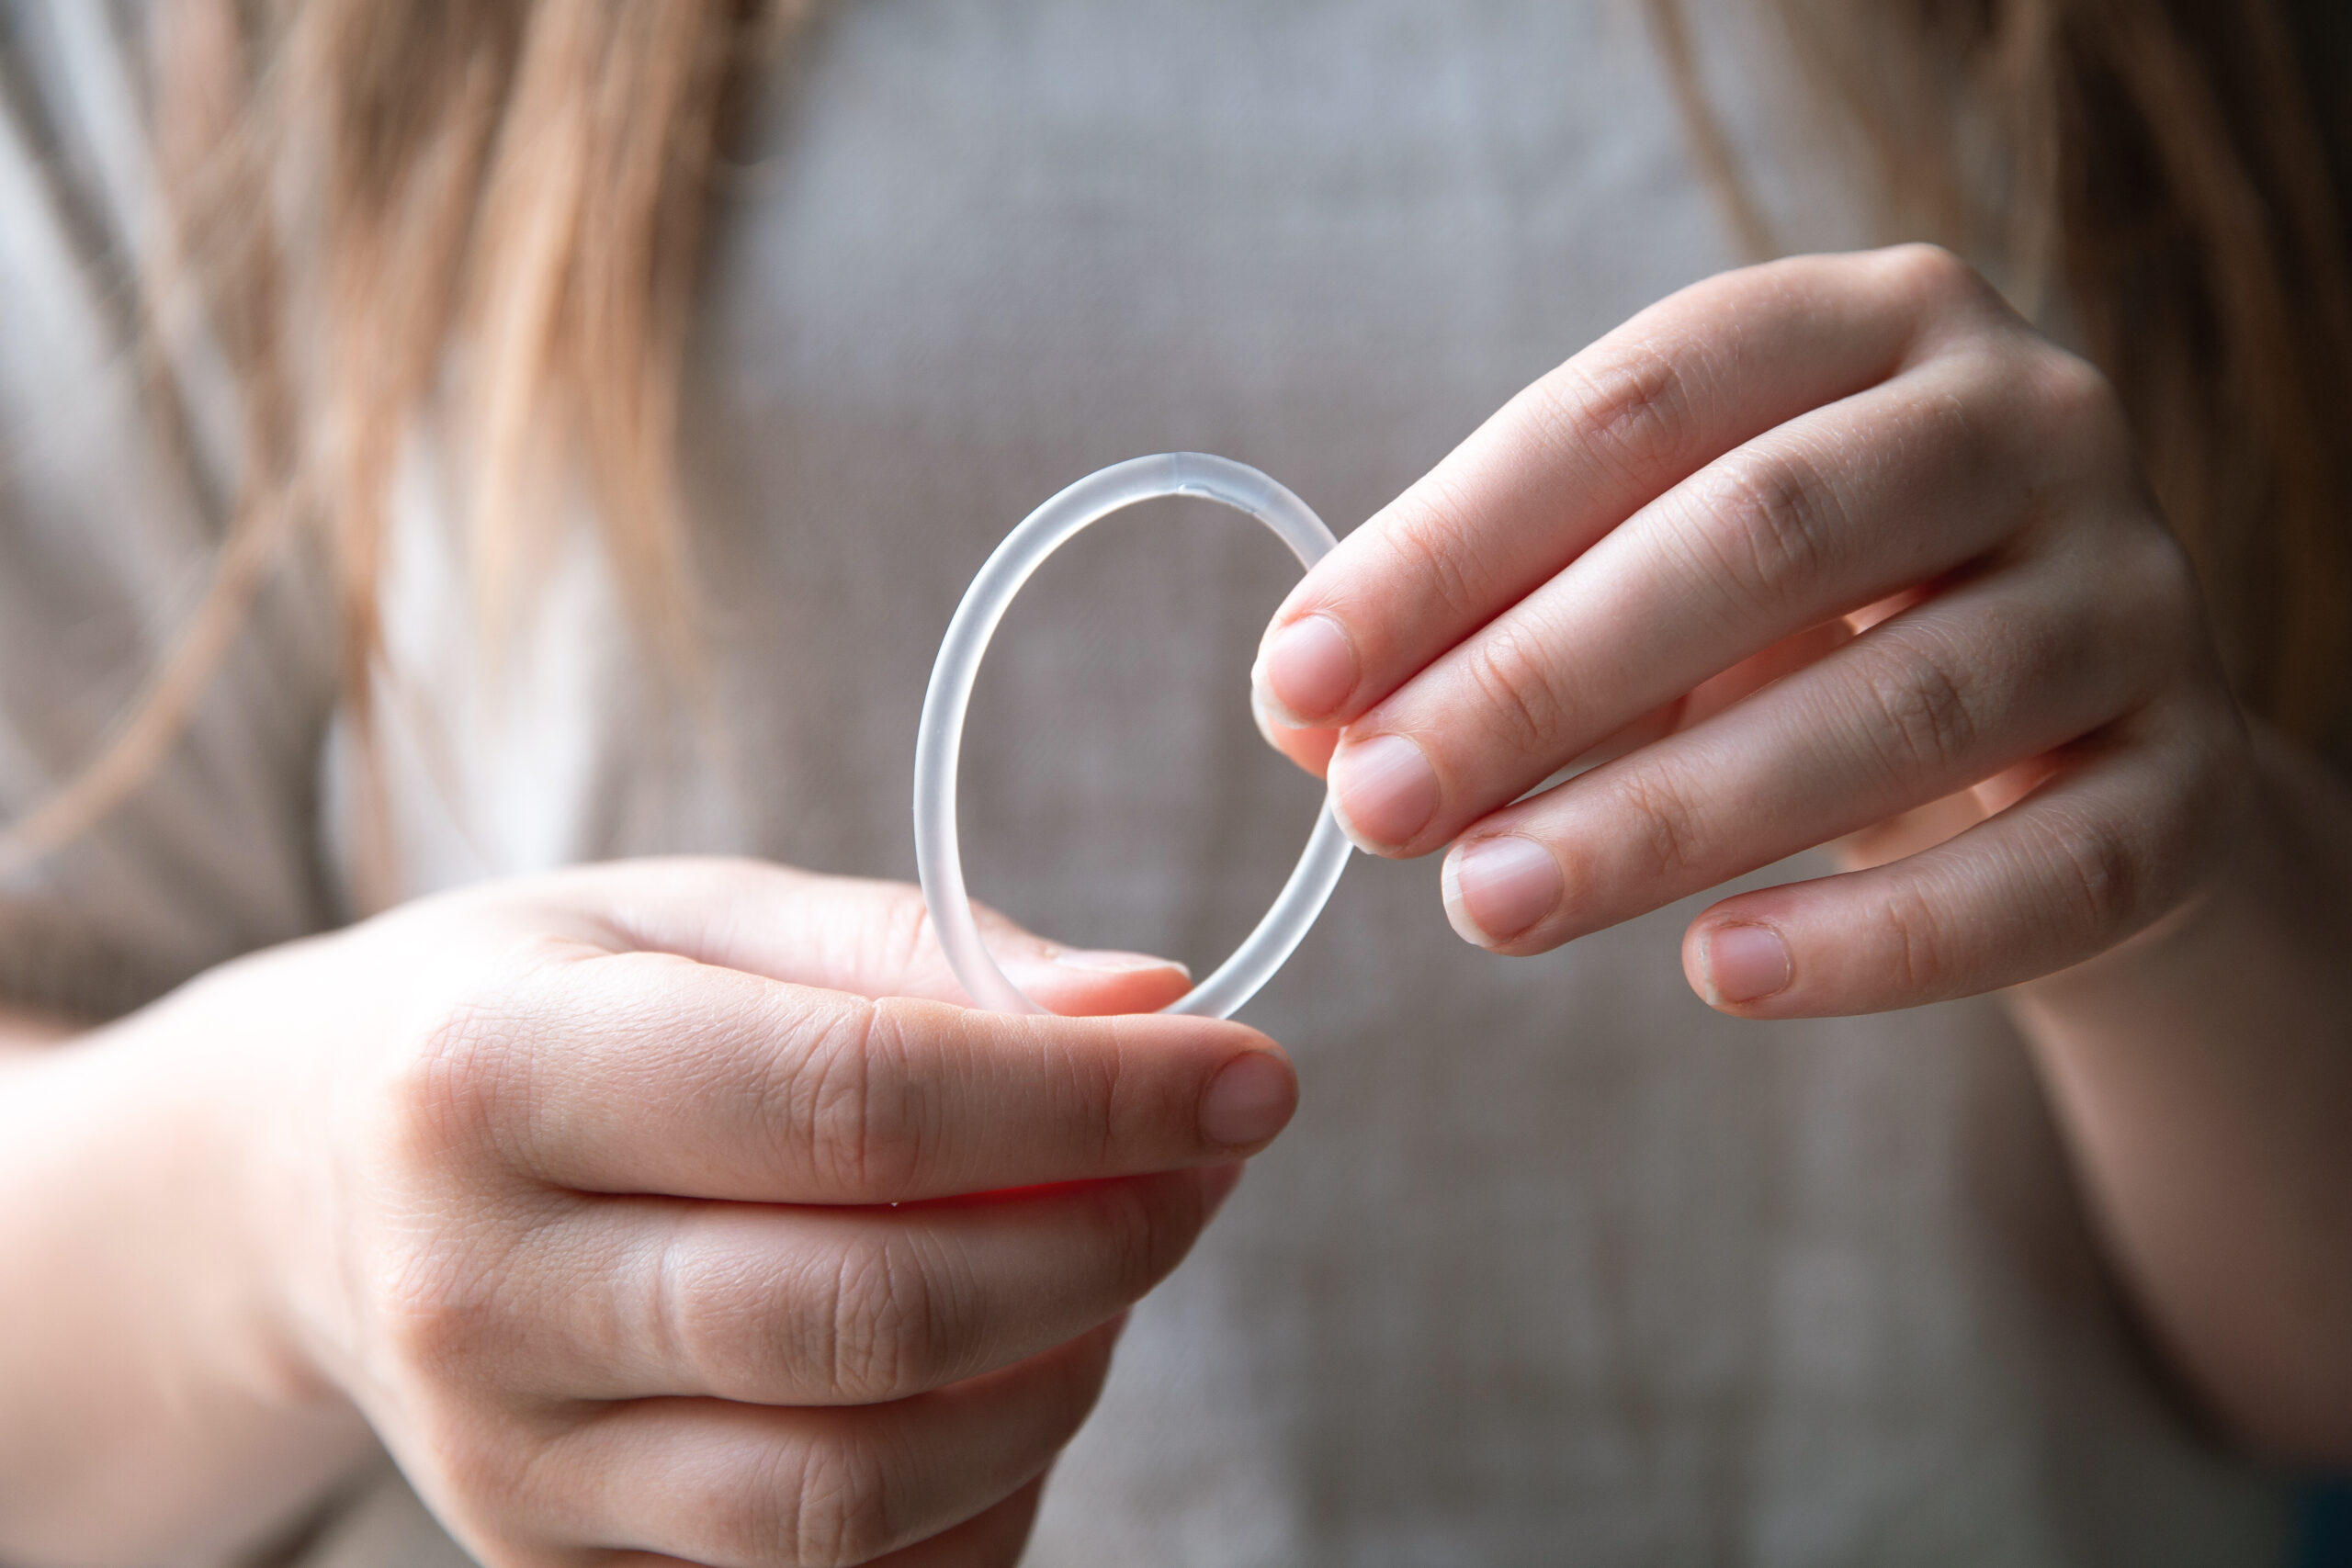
(497, 204)
(377, 207)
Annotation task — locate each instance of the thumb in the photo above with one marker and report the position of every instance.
(874, 939)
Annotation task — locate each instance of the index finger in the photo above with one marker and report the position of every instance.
(1578, 452)
(645, 1072)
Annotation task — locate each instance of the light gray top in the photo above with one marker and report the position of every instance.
(1555, 1265)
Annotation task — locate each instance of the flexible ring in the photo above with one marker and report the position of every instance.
(940, 739)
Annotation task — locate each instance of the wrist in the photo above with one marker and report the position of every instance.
(236, 1092)
(209, 1116)
(2199, 1075)
(168, 1419)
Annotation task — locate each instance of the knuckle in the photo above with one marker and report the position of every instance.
(1935, 278)
(836, 1505)
(1094, 1097)
(1144, 1231)
(424, 1311)
(1518, 687)
(2073, 400)
(458, 1078)
(1969, 421)
(1770, 525)
(709, 1320)
(883, 1328)
(2094, 873)
(1668, 831)
(820, 1501)
(2071, 388)
(445, 1116)
(439, 1305)
(1922, 713)
(2148, 624)
(1918, 959)
(2162, 582)
(846, 1105)
(1435, 545)
(495, 1459)
(1626, 401)
(691, 1326)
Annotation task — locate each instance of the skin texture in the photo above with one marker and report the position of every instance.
(1838, 551)
(676, 1210)
(665, 1211)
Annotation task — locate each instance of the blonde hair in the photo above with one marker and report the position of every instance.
(522, 181)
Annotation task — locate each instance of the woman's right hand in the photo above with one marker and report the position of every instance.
(638, 1209)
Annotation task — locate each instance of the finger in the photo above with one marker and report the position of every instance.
(750, 1485)
(1577, 453)
(641, 1297)
(1831, 512)
(844, 933)
(643, 1072)
(993, 1539)
(1927, 702)
(1742, 681)
(1926, 825)
(1714, 695)
(2111, 842)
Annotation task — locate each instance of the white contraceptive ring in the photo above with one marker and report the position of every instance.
(939, 740)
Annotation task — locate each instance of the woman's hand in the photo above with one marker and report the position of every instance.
(1838, 550)
(636, 1216)
(1832, 549)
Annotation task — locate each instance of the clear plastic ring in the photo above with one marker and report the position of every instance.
(940, 739)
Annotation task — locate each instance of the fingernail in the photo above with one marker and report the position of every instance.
(1248, 1102)
(1382, 791)
(1107, 962)
(1308, 670)
(1745, 963)
(1495, 888)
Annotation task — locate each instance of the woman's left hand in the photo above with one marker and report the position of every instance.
(1834, 549)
